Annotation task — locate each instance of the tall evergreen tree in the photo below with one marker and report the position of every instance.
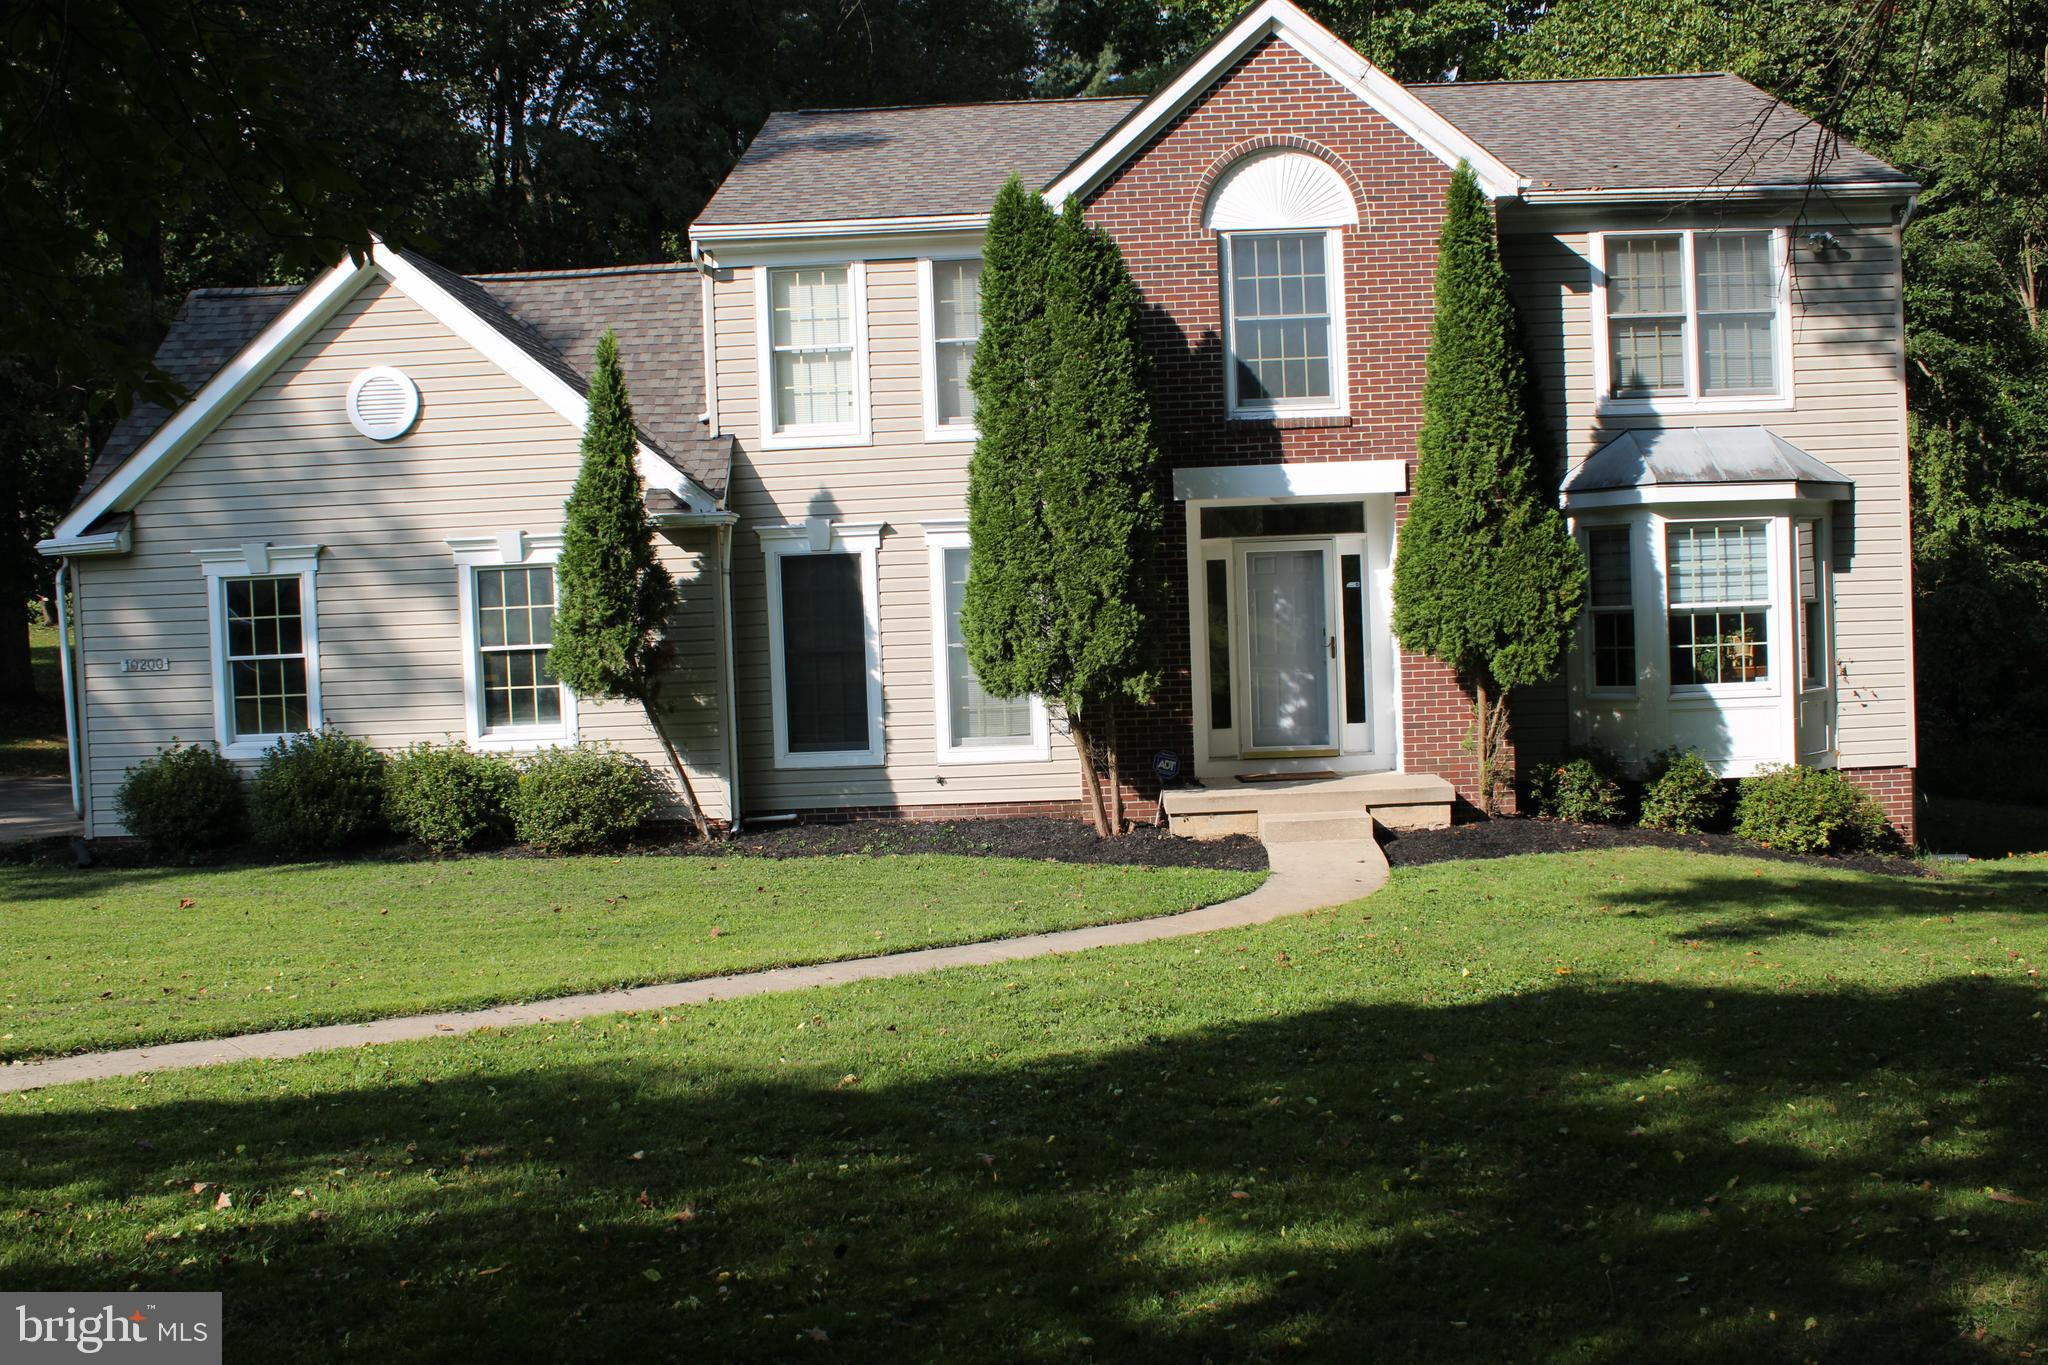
(613, 594)
(1063, 499)
(1487, 578)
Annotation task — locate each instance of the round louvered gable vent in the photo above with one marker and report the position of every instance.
(383, 403)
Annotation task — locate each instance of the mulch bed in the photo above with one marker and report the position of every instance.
(1057, 840)
(1507, 836)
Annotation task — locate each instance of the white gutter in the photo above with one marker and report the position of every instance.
(66, 673)
(115, 542)
(701, 233)
(1855, 189)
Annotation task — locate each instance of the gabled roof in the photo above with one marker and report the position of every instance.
(225, 341)
(1650, 132)
(1744, 461)
(906, 161)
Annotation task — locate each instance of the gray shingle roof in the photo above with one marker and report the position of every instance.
(1697, 455)
(917, 161)
(1647, 132)
(554, 316)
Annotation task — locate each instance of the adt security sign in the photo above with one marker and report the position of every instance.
(1166, 765)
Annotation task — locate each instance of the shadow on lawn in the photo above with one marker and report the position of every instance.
(1765, 904)
(1835, 1153)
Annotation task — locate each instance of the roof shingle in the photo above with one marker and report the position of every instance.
(1647, 132)
(905, 161)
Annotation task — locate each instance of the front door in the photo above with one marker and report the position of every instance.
(1290, 660)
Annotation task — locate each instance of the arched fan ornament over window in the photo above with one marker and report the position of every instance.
(1280, 189)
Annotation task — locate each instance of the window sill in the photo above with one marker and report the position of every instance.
(1713, 694)
(1678, 405)
(951, 436)
(1290, 421)
(522, 741)
(852, 758)
(252, 746)
(967, 756)
(798, 439)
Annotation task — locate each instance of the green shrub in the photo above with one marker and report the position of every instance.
(1685, 798)
(317, 792)
(581, 798)
(184, 802)
(1583, 790)
(1807, 810)
(447, 796)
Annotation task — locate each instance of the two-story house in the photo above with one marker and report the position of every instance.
(343, 523)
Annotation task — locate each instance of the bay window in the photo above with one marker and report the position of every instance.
(1690, 318)
(1718, 591)
(1611, 608)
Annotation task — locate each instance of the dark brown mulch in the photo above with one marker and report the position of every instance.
(1059, 840)
(1506, 836)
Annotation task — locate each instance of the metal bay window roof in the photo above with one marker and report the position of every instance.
(1688, 463)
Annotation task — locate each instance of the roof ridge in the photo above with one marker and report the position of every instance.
(233, 291)
(961, 104)
(1589, 80)
(585, 272)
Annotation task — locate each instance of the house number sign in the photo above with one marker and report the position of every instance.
(160, 664)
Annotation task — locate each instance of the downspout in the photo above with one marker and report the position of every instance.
(65, 674)
(732, 703)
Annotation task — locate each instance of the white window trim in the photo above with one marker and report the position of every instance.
(819, 535)
(775, 435)
(1824, 601)
(1691, 401)
(939, 537)
(935, 431)
(1339, 404)
(1774, 526)
(259, 559)
(502, 550)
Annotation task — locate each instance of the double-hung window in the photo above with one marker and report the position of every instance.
(1718, 585)
(1813, 627)
(824, 644)
(1611, 608)
(1282, 327)
(952, 327)
(814, 365)
(1691, 317)
(266, 656)
(506, 594)
(972, 725)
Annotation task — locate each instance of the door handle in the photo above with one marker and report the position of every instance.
(1333, 646)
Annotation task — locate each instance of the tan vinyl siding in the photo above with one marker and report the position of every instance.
(1849, 411)
(900, 481)
(287, 468)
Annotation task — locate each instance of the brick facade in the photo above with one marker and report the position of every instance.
(1895, 790)
(1153, 206)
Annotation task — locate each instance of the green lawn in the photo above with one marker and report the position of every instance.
(113, 958)
(32, 737)
(1607, 1107)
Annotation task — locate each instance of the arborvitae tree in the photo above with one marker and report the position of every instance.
(1063, 499)
(1487, 579)
(613, 594)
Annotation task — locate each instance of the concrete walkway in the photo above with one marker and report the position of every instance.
(1305, 876)
(36, 808)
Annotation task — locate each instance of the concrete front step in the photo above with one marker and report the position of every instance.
(1316, 827)
(1395, 800)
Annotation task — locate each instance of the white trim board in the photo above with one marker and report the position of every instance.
(1215, 483)
(305, 315)
(1281, 19)
(260, 559)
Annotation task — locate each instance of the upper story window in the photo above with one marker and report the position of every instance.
(265, 636)
(952, 326)
(814, 360)
(1690, 320)
(1279, 217)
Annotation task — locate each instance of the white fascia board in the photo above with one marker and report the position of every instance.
(824, 249)
(216, 398)
(1217, 483)
(1823, 190)
(1703, 494)
(1399, 106)
(544, 383)
(714, 233)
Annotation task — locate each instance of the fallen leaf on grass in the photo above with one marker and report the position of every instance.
(185, 903)
(492, 1271)
(2004, 1197)
(226, 1201)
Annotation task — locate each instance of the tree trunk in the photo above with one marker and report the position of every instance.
(1116, 782)
(1091, 785)
(1490, 740)
(652, 706)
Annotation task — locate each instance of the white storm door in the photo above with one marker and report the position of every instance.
(1289, 648)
